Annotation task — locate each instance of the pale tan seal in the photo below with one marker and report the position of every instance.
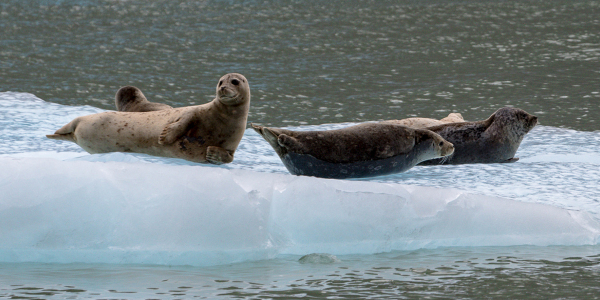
(131, 99)
(204, 133)
(364, 150)
(426, 122)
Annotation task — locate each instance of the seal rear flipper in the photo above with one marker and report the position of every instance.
(273, 139)
(65, 133)
(64, 137)
(258, 129)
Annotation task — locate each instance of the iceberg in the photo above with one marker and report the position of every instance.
(60, 204)
(122, 212)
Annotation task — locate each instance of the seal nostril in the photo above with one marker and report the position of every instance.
(235, 82)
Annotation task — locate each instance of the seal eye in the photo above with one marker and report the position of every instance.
(220, 82)
(235, 82)
(441, 144)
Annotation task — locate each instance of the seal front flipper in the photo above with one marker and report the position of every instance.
(217, 155)
(510, 160)
(291, 144)
(176, 128)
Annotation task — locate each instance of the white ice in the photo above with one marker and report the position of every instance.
(60, 204)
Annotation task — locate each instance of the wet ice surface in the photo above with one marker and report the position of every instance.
(557, 166)
(61, 204)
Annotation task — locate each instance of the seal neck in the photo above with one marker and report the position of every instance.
(231, 111)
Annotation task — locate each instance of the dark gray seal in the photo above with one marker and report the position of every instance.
(494, 140)
(131, 99)
(364, 150)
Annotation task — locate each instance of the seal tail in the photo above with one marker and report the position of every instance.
(267, 134)
(64, 137)
(65, 133)
(257, 128)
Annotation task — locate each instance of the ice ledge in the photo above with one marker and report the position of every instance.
(128, 212)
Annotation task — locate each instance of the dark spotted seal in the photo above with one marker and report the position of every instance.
(363, 150)
(131, 99)
(204, 133)
(494, 140)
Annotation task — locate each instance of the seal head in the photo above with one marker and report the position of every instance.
(233, 89)
(131, 99)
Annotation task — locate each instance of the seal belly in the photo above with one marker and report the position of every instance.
(308, 165)
(111, 132)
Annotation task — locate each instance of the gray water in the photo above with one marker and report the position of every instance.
(314, 62)
(311, 63)
(458, 273)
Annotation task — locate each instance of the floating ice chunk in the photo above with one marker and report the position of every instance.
(319, 258)
(123, 212)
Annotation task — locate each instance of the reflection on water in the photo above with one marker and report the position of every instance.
(496, 272)
(336, 61)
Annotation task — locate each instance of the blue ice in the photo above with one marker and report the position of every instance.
(60, 204)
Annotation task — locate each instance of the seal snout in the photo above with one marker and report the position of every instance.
(533, 120)
(446, 148)
(227, 92)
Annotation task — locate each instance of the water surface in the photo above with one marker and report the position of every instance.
(314, 63)
(311, 63)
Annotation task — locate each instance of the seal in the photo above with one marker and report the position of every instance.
(364, 150)
(207, 133)
(131, 99)
(494, 140)
(426, 122)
